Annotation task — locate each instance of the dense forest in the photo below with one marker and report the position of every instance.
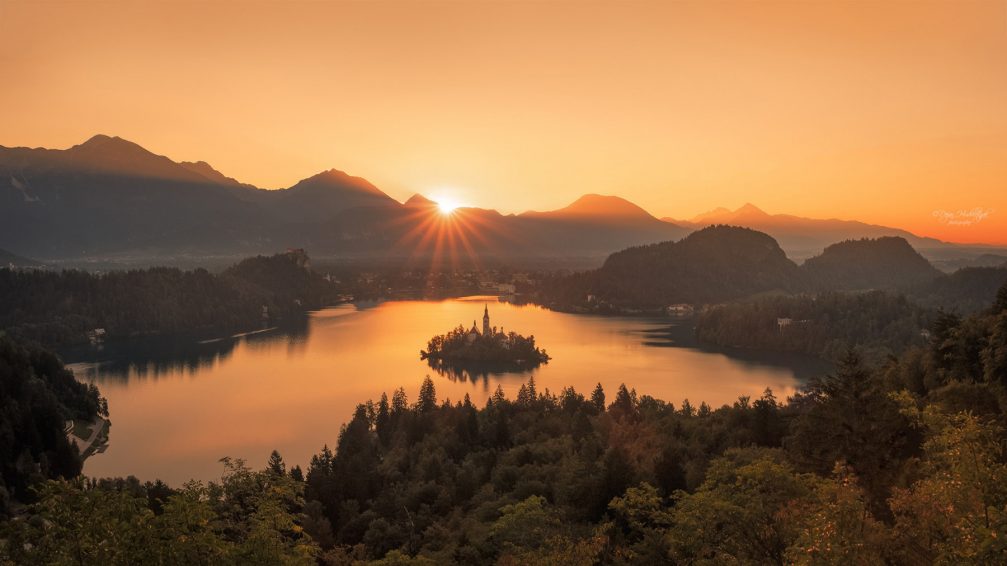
(877, 323)
(711, 265)
(900, 463)
(879, 263)
(37, 396)
(60, 308)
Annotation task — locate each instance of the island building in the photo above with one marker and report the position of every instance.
(487, 330)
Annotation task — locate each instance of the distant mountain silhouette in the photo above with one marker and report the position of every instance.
(881, 263)
(109, 197)
(323, 196)
(802, 237)
(579, 224)
(711, 265)
(8, 258)
(419, 201)
(603, 207)
(204, 169)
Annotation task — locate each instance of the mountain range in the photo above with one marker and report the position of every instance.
(802, 237)
(111, 198)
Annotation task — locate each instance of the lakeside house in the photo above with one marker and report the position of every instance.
(680, 309)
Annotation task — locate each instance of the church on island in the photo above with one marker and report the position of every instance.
(487, 330)
(490, 345)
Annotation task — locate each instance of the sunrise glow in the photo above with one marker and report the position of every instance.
(446, 206)
(815, 109)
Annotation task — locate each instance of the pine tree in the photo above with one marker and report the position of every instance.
(428, 396)
(382, 420)
(598, 398)
(400, 404)
(275, 464)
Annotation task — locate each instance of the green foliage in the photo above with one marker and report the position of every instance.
(849, 417)
(247, 518)
(826, 325)
(748, 510)
(956, 513)
(37, 396)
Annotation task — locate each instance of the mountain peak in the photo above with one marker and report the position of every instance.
(118, 156)
(101, 143)
(749, 208)
(718, 212)
(418, 200)
(206, 170)
(601, 206)
(339, 180)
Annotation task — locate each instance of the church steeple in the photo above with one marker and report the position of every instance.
(486, 321)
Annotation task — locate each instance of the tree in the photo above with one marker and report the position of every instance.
(598, 398)
(1000, 304)
(525, 525)
(994, 355)
(956, 513)
(382, 421)
(642, 520)
(624, 406)
(247, 518)
(840, 529)
(275, 464)
(749, 509)
(848, 417)
(427, 401)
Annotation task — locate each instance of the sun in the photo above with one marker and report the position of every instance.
(446, 206)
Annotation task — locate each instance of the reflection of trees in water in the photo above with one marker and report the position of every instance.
(160, 356)
(803, 366)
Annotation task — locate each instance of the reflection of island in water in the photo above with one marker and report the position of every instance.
(470, 354)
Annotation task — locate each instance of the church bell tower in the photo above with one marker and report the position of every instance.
(486, 321)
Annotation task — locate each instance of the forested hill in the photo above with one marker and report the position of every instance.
(60, 308)
(725, 263)
(714, 264)
(37, 397)
(882, 263)
(878, 323)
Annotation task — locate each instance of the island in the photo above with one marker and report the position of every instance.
(488, 350)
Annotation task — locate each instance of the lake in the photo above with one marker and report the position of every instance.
(178, 406)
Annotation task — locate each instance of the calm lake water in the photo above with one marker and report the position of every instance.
(177, 407)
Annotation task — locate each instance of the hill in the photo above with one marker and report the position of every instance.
(881, 263)
(715, 264)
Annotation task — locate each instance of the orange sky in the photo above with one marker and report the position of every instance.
(881, 111)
